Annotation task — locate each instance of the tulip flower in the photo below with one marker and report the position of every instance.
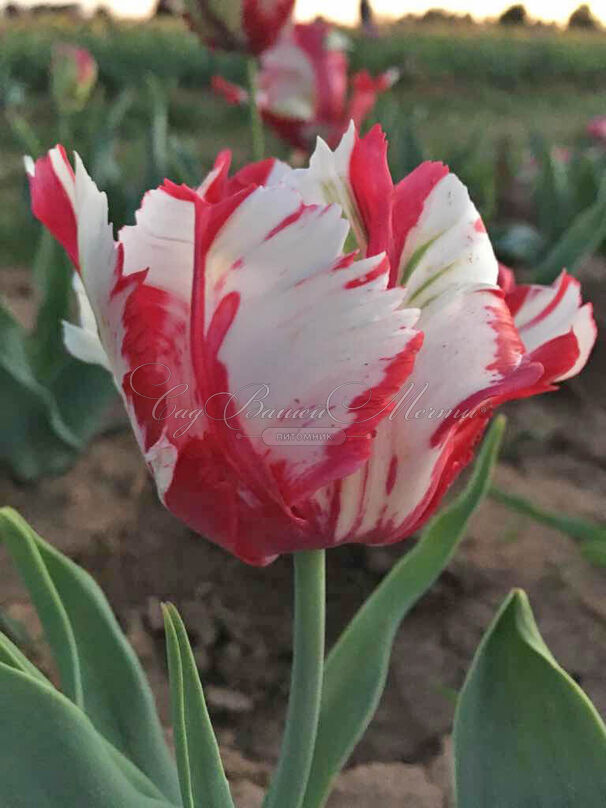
(73, 76)
(596, 128)
(302, 87)
(250, 26)
(308, 357)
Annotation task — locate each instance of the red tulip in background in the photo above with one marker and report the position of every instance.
(322, 303)
(303, 87)
(250, 26)
(596, 128)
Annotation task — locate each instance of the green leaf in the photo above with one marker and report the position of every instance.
(84, 394)
(356, 668)
(591, 536)
(158, 143)
(104, 139)
(21, 544)
(525, 733)
(203, 781)
(580, 240)
(550, 192)
(53, 402)
(38, 441)
(11, 656)
(51, 754)
(45, 343)
(26, 138)
(99, 669)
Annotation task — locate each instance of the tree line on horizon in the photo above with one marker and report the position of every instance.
(516, 15)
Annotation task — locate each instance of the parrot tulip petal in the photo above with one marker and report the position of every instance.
(555, 326)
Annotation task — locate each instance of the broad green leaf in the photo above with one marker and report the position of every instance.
(525, 733)
(203, 781)
(356, 668)
(51, 754)
(580, 240)
(99, 669)
(591, 535)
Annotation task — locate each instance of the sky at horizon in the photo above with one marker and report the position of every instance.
(346, 11)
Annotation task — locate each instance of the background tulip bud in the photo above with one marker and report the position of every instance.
(73, 76)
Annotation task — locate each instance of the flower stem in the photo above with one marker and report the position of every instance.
(256, 125)
(289, 782)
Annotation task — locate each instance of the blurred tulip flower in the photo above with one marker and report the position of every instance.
(596, 128)
(303, 87)
(287, 392)
(250, 26)
(73, 76)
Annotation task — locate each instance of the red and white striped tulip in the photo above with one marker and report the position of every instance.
(231, 315)
(250, 26)
(303, 87)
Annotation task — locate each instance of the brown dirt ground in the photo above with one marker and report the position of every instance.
(104, 513)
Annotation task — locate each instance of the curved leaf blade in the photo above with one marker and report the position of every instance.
(203, 781)
(525, 733)
(21, 544)
(12, 657)
(356, 668)
(104, 675)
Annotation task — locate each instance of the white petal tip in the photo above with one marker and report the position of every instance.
(84, 345)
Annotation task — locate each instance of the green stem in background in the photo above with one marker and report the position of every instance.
(288, 786)
(65, 129)
(256, 124)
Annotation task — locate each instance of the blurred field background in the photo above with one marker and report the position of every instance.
(464, 88)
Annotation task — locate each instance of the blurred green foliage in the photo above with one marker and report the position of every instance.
(473, 53)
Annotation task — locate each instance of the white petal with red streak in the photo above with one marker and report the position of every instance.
(327, 180)
(448, 247)
(304, 325)
(470, 355)
(163, 241)
(548, 312)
